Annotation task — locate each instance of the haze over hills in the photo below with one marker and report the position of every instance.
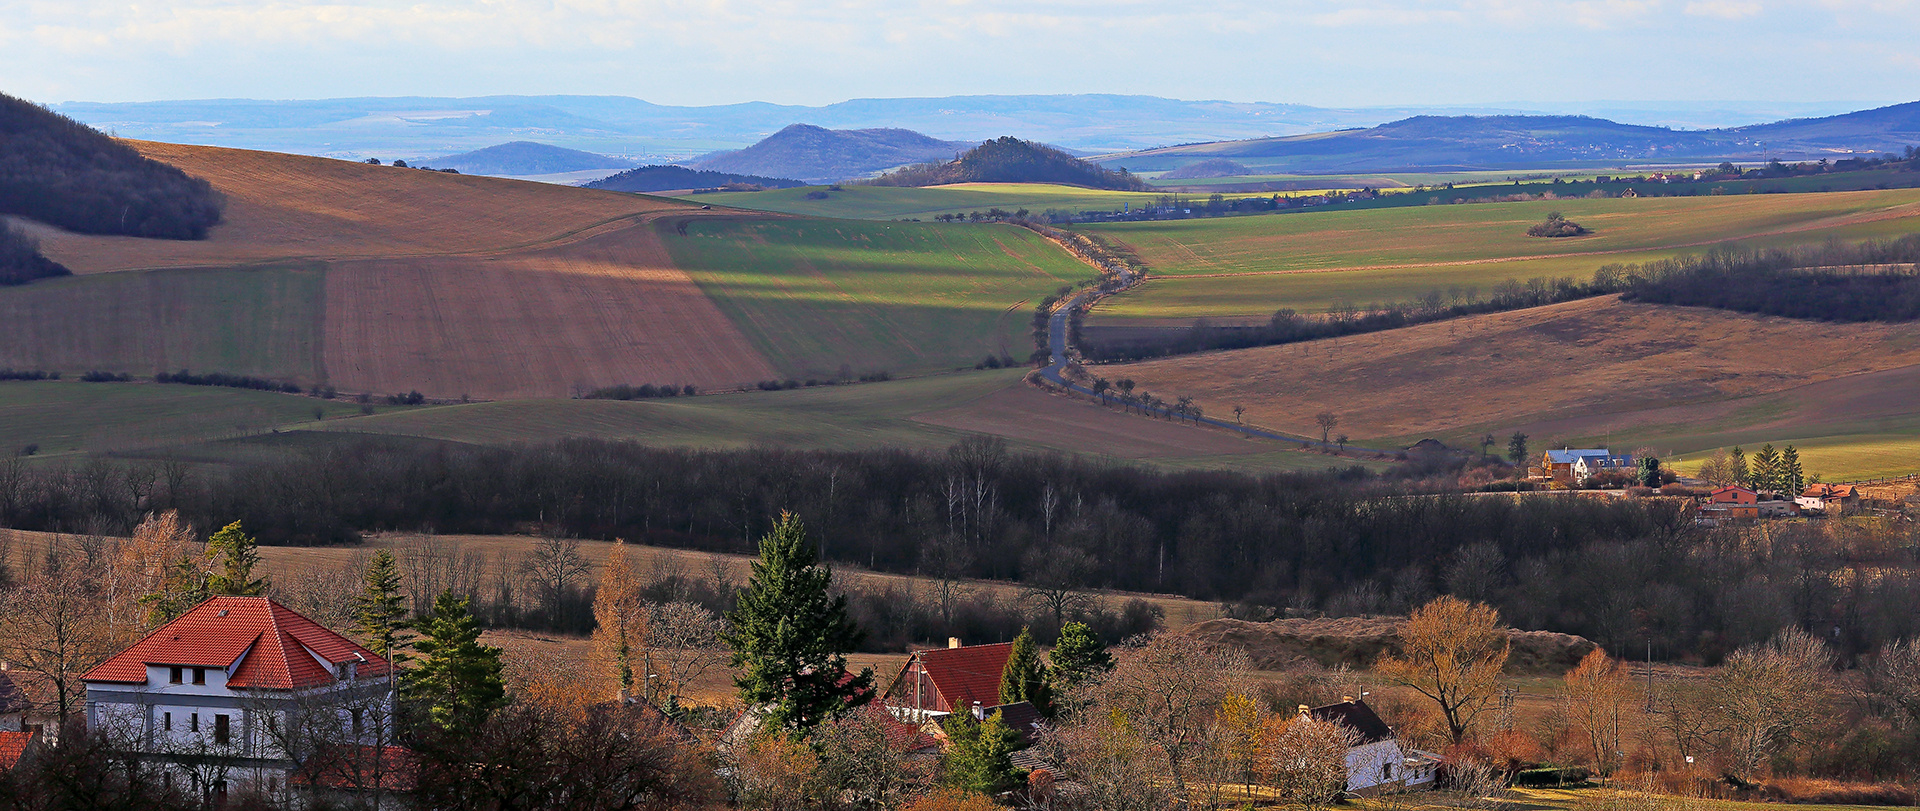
(527, 158)
(418, 127)
(822, 155)
(1434, 142)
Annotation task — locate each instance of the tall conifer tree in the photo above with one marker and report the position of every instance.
(458, 681)
(1793, 477)
(380, 612)
(238, 554)
(1765, 473)
(1024, 679)
(790, 636)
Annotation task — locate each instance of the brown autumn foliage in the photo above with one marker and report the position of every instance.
(1453, 653)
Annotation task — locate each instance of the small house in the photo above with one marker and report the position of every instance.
(1572, 465)
(1376, 762)
(1829, 498)
(1733, 494)
(935, 683)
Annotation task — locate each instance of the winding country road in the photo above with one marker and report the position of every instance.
(1055, 372)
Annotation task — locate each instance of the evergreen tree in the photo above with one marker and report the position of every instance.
(790, 636)
(1737, 465)
(1517, 449)
(1765, 473)
(979, 754)
(182, 586)
(380, 612)
(1079, 657)
(238, 552)
(458, 681)
(1650, 472)
(1793, 477)
(1023, 679)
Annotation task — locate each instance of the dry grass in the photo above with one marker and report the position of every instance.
(1587, 368)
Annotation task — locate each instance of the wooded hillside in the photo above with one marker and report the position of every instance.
(64, 173)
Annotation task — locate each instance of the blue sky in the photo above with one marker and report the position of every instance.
(1329, 53)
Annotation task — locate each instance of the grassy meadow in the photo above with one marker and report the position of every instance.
(906, 298)
(1312, 261)
(68, 416)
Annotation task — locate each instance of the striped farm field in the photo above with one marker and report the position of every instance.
(69, 416)
(813, 296)
(1596, 372)
(1312, 261)
(925, 203)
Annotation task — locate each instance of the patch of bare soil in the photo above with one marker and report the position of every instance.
(1026, 413)
(1358, 642)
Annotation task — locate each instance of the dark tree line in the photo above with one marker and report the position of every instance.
(59, 171)
(1869, 281)
(21, 260)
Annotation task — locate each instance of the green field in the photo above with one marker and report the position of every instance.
(252, 320)
(67, 416)
(905, 298)
(892, 203)
(1312, 261)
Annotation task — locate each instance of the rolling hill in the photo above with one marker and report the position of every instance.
(383, 279)
(1467, 142)
(524, 158)
(1010, 160)
(668, 178)
(822, 155)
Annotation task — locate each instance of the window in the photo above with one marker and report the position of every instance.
(199, 675)
(358, 727)
(1386, 771)
(166, 721)
(193, 722)
(221, 728)
(173, 675)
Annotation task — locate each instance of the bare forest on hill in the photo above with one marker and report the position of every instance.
(61, 172)
(21, 260)
(1870, 281)
(1623, 572)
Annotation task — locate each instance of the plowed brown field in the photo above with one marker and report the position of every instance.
(610, 309)
(382, 279)
(294, 206)
(1586, 367)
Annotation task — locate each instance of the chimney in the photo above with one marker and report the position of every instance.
(1346, 699)
(1303, 709)
(953, 642)
(979, 712)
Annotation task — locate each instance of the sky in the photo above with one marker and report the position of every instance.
(1331, 53)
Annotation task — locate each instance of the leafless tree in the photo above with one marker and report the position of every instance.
(1769, 695)
(1327, 421)
(1452, 652)
(1053, 579)
(57, 626)
(1305, 760)
(1597, 694)
(687, 636)
(1168, 690)
(1894, 678)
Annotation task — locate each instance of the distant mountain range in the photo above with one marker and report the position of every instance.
(414, 128)
(820, 155)
(527, 158)
(1478, 142)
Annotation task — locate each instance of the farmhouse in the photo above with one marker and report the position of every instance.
(957, 678)
(216, 694)
(1570, 465)
(1829, 498)
(1376, 762)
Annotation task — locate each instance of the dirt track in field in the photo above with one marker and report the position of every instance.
(1590, 362)
(607, 310)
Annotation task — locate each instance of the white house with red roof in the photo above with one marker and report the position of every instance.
(233, 693)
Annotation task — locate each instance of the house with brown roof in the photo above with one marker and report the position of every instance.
(1829, 498)
(957, 678)
(232, 693)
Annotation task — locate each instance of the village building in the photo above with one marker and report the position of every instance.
(218, 694)
(1829, 499)
(1376, 762)
(1575, 465)
(935, 683)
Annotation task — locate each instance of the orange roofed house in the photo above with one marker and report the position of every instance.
(219, 693)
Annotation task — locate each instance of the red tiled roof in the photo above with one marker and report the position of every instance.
(12, 746)
(1829, 491)
(965, 675)
(278, 646)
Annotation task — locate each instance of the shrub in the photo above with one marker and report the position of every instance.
(27, 374)
(816, 195)
(1551, 776)
(186, 378)
(1557, 226)
(97, 376)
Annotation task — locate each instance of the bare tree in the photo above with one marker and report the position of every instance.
(1768, 695)
(1053, 578)
(56, 626)
(1894, 677)
(1305, 760)
(1108, 760)
(555, 567)
(1168, 690)
(1327, 421)
(1452, 652)
(687, 637)
(1597, 693)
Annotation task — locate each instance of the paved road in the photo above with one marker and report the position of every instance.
(1056, 372)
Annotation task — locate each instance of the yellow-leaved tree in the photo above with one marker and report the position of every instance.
(620, 615)
(1451, 651)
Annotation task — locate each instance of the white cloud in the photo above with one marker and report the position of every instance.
(1723, 9)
